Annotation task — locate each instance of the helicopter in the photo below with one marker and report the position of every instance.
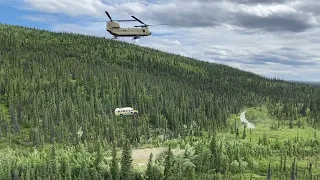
(114, 28)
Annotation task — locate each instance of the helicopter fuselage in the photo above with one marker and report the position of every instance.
(115, 29)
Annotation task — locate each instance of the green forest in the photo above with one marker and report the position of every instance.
(58, 92)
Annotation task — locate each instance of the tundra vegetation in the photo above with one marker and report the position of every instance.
(58, 92)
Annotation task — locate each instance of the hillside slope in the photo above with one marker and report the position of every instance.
(55, 85)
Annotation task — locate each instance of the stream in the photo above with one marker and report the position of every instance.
(244, 119)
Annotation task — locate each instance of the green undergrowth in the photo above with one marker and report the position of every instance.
(278, 138)
(289, 151)
(245, 153)
(4, 110)
(278, 128)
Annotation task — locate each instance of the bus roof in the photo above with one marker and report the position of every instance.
(124, 108)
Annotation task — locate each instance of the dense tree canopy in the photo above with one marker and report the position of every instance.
(66, 86)
(61, 89)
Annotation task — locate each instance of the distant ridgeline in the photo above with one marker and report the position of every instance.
(314, 84)
(55, 85)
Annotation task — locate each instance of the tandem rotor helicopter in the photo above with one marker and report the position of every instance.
(114, 28)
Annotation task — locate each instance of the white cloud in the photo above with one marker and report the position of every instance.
(262, 10)
(267, 38)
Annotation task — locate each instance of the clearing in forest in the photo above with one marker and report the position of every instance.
(141, 156)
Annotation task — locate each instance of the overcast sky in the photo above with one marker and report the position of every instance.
(274, 38)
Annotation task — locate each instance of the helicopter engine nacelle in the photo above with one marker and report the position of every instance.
(112, 24)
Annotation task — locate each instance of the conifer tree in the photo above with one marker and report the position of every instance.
(99, 156)
(269, 171)
(126, 162)
(310, 170)
(244, 135)
(168, 164)
(114, 169)
(293, 169)
(149, 172)
(215, 153)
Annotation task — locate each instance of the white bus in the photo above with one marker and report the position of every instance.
(125, 111)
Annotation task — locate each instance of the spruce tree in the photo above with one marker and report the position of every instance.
(126, 162)
(149, 171)
(168, 164)
(310, 170)
(269, 171)
(114, 169)
(244, 135)
(293, 169)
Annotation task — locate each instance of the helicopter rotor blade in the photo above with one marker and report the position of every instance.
(141, 26)
(152, 25)
(113, 20)
(138, 20)
(108, 15)
(158, 24)
(124, 20)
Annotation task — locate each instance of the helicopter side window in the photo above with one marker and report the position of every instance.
(143, 30)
